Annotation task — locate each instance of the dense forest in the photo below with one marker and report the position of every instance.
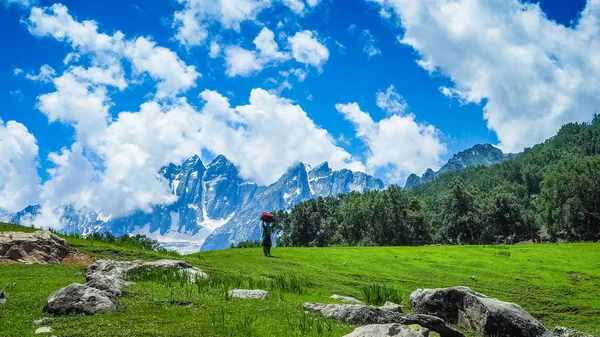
(551, 189)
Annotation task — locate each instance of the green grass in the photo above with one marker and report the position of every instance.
(557, 283)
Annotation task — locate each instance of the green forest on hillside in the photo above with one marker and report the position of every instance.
(553, 186)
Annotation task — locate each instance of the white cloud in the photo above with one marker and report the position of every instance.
(113, 164)
(172, 75)
(45, 75)
(77, 102)
(341, 47)
(23, 3)
(266, 136)
(299, 73)
(243, 62)
(16, 94)
(391, 101)
(532, 74)
(193, 21)
(19, 180)
(163, 65)
(307, 49)
(369, 40)
(267, 47)
(397, 144)
(297, 6)
(215, 49)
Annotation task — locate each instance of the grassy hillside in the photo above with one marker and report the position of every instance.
(557, 283)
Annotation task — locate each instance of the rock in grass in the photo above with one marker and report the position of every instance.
(471, 310)
(41, 321)
(2, 297)
(249, 294)
(44, 329)
(41, 247)
(560, 331)
(78, 299)
(346, 299)
(109, 275)
(388, 330)
(364, 314)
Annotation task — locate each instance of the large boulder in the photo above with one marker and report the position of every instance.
(41, 247)
(469, 309)
(364, 315)
(110, 275)
(388, 330)
(78, 299)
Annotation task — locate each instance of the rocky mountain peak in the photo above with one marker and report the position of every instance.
(319, 171)
(478, 155)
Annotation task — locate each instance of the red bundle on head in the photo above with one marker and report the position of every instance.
(267, 217)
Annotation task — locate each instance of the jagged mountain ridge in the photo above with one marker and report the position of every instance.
(212, 197)
(478, 155)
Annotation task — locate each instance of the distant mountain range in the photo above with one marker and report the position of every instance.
(216, 207)
(478, 155)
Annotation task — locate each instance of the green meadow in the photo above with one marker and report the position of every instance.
(557, 283)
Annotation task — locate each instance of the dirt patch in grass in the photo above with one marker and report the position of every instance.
(79, 259)
(7, 261)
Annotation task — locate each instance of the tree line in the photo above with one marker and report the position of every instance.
(551, 189)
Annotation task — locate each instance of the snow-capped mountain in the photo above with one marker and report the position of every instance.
(215, 207)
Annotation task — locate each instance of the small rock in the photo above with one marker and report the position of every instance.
(346, 299)
(78, 299)
(561, 331)
(41, 321)
(44, 329)
(388, 330)
(2, 297)
(251, 294)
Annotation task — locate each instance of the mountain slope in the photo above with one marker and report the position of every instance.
(478, 155)
(212, 197)
(298, 184)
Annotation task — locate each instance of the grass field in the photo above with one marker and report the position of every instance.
(557, 283)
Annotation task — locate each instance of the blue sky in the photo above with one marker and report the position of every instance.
(389, 87)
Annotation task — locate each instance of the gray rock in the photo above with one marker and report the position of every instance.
(388, 330)
(392, 306)
(561, 331)
(249, 294)
(346, 299)
(41, 321)
(109, 275)
(112, 285)
(2, 297)
(468, 309)
(41, 247)
(364, 314)
(44, 329)
(78, 299)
